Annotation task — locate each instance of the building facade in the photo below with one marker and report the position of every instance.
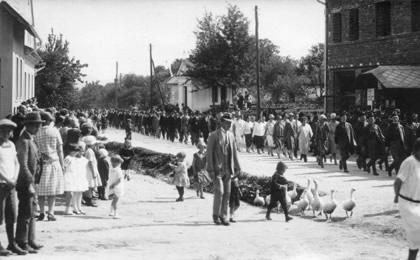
(188, 92)
(373, 54)
(18, 56)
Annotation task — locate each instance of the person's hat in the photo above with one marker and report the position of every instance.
(227, 117)
(46, 116)
(89, 140)
(291, 115)
(271, 116)
(33, 117)
(343, 114)
(6, 122)
(333, 115)
(87, 125)
(323, 117)
(103, 153)
(116, 158)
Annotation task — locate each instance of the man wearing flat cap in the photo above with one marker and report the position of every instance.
(9, 171)
(28, 157)
(222, 165)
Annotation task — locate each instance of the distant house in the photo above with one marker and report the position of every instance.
(189, 92)
(18, 55)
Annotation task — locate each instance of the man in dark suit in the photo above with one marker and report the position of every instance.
(345, 140)
(28, 157)
(222, 164)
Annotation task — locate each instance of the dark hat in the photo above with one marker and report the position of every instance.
(227, 117)
(7, 122)
(344, 113)
(46, 116)
(33, 117)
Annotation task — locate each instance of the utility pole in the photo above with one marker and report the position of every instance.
(116, 86)
(151, 77)
(258, 62)
(325, 54)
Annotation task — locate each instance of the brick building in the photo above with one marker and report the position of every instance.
(373, 54)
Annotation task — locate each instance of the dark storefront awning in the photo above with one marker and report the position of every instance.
(406, 77)
(18, 17)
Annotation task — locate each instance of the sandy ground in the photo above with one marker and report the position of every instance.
(154, 226)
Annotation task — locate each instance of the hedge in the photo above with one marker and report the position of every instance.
(156, 164)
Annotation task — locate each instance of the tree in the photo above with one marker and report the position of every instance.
(220, 55)
(55, 84)
(312, 66)
(91, 96)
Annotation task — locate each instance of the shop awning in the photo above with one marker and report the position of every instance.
(406, 77)
(19, 18)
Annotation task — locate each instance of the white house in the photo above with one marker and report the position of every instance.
(186, 91)
(18, 54)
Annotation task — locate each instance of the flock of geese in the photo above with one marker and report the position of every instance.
(310, 200)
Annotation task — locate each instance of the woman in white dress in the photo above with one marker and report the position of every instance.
(407, 195)
(304, 136)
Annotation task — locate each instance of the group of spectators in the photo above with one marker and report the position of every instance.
(45, 153)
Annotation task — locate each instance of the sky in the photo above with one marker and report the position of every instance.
(102, 32)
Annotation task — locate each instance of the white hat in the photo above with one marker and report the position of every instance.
(103, 153)
(89, 140)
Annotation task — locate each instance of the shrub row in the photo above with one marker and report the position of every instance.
(155, 164)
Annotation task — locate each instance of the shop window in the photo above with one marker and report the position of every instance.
(383, 19)
(354, 25)
(337, 28)
(415, 15)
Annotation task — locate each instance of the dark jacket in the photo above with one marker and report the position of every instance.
(277, 181)
(28, 157)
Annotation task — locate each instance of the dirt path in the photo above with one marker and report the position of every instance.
(154, 226)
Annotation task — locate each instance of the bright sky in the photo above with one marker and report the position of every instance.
(102, 32)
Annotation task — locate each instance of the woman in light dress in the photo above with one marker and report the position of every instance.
(304, 136)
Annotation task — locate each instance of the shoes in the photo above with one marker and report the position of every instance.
(4, 252)
(267, 216)
(14, 248)
(28, 249)
(35, 245)
(75, 212)
(376, 174)
(288, 219)
(41, 217)
(82, 212)
(346, 171)
(232, 220)
(224, 222)
(179, 199)
(51, 217)
(202, 197)
(216, 220)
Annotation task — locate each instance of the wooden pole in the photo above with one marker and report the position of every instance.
(158, 84)
(116, 86)
(258, 61)
(151, 77)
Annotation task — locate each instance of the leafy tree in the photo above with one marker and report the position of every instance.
(312, 67)
(55, 84)
(91, 96)
(220, 55)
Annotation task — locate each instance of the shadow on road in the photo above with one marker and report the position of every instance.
(385, 213)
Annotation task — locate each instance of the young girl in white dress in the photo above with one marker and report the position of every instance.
(115, 186)
(181, 179)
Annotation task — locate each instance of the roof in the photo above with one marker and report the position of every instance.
(397, 76)
(19, 18)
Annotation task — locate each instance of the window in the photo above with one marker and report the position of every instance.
(336, 23)
(383, 19)
(415, 15)
(354, 25)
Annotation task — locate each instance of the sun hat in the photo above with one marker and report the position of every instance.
(6, 122)
(33, 117)
(227, 117)
(102, 153)
(46, 116)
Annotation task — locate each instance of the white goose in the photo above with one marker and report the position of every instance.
(317, 204)
(303, 203)
(330, 206)
(293, 193)
(350, 204)
(309, 194)
(258, 200)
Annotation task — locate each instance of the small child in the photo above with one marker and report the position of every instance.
(75, 182)
(115, 188)
(181, 179)
(278, 191)
(235, 196)
(103, 168)
(199, 167)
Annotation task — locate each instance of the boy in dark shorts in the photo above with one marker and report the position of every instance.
(235, 196)
(278, 191)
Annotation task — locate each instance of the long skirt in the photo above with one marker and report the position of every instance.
(410, 215)
(270, 141)
(333, 146)
(52, 181)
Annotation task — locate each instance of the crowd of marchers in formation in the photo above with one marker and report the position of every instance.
(372, 135)
(45, 153)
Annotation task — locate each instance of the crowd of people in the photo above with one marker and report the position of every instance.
(45, 153)
(57, 152)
